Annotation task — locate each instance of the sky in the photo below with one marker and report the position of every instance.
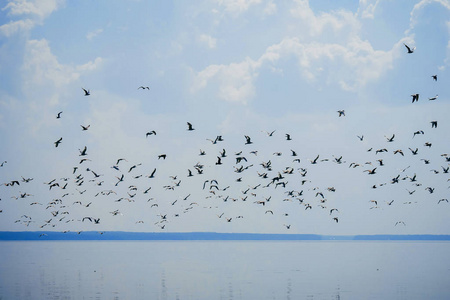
(231, 68)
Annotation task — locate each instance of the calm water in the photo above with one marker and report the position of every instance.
(224, 270)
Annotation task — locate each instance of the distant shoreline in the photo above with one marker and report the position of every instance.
(205, 236)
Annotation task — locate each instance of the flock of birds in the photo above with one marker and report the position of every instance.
(266, 186)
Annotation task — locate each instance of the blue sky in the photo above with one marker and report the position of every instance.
(231, 68)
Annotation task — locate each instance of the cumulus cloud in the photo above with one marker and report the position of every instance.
(208, 40)
(237, 7)
(367, 8)
(42, 66)
(350, 66)
(414, 15)
(337, 21)
(34, 10)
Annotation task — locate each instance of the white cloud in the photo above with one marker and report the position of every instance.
(235, 80)
(338, 21)
(350, 66)
(13, 27)
(36, 11)
(414, 15)
(92, 34)
(237, 7)
(367, 8)
(40, 8)
(208, 40)
(41, 66)
(270, 8)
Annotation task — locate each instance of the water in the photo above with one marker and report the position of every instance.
(224, 270)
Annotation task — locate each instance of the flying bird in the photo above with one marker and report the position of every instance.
(150, 133)
(410, 50)
(58, 116)
(415, 98)
(190, 128)
(341, 113)
(143, 87)
(434, 77)
(84, 128)
(86, 92)
(58, 142)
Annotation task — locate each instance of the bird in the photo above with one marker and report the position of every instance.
(415, 98)
(391, 139)
(58, 116)
(361, 138)
(370, 172)
(418, 132)
(341, 113)
(150, 133)
(270, 133)
(86, 92)
(83, 152)
(433, 124)
(433, 98)
(143, 87)
(84, 128)
(58, 142)
(434, 77)
(409, 49)
(314, 161)
(190, 128)
(288, 137)
(248, 140)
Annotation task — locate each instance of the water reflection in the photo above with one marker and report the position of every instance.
(245, 270)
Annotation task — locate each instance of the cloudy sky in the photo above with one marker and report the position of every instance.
(231, 68)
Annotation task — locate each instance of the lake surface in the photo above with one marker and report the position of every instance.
(224, 270)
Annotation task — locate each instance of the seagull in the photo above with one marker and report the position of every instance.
(410, 50)
(83, 152)
(143, 87)
(418, 132)
(391, 139)
(84, 128)
(58, 142)
(190, 128)
(248, 140)
(86, 92)
(150, 133)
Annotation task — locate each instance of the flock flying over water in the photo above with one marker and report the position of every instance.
(257, 183)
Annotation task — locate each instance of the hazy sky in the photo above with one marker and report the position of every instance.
(232, 68)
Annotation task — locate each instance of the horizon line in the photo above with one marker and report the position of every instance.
(209, 236)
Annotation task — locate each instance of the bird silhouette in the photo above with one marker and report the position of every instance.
(86, 92)
(409, 49)
(58, 142)
(150, 133)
